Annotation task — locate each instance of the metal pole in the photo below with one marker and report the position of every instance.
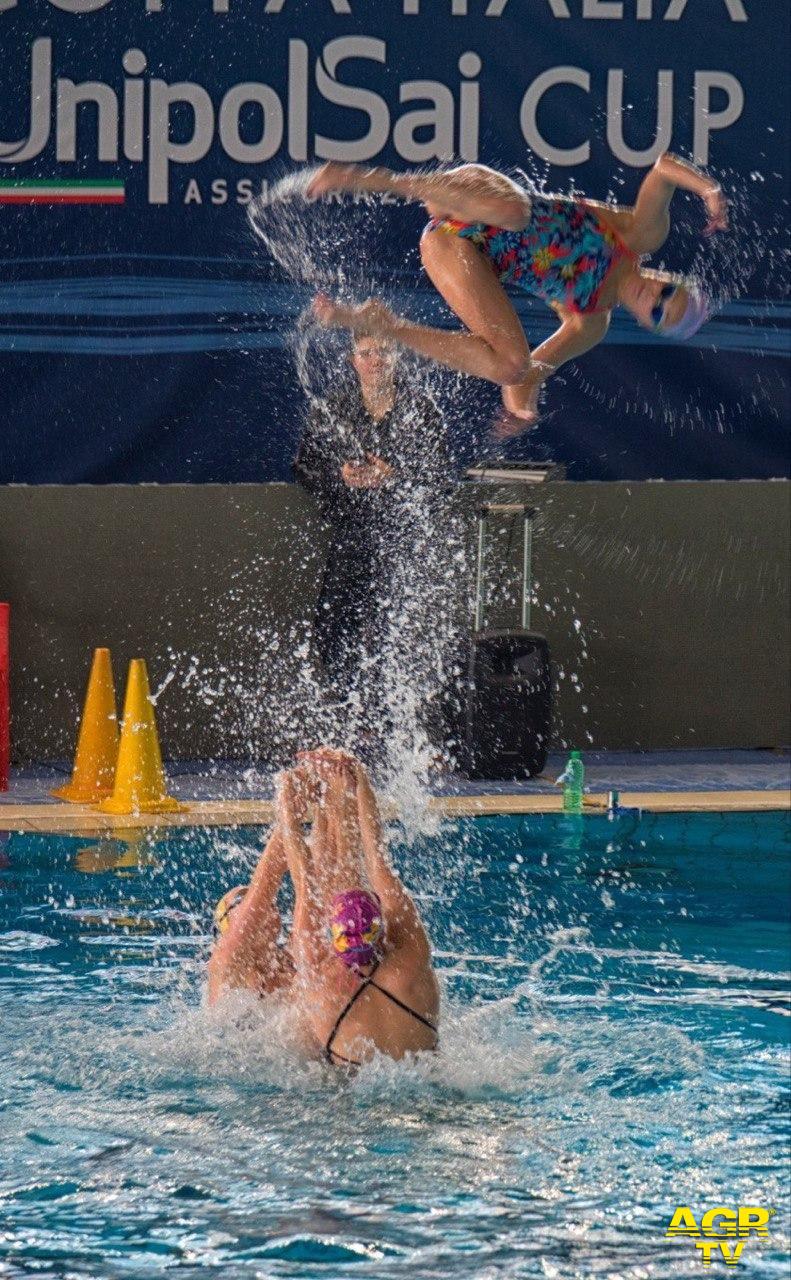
(479, 582)
(527, 574)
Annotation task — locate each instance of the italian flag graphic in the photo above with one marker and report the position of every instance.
(53, 191)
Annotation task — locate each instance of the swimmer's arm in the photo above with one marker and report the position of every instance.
(297, 854)
(668, 174)
(242, 954)
(402, 919)
(575, 335)
(681, 173)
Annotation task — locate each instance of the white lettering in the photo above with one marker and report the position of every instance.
(162, 151)
(79, 6)
(244, 191)
(529, 111)
(297, 100)
(591, 9)
(354, 98)
(219, 191)
(275, 6)
(602, 8)
(192, 195)
(458, 8)
(736, 10)
(40, 107)
(559, 8)
(707, 121)
(664, 120)
(469, 107)
(230, 123)
(134, 64)
(70, 96)
(438, 118)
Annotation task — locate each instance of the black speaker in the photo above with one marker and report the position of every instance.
(506, 703)
(508, 706)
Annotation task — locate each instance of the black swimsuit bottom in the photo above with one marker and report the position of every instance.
(330, 1053)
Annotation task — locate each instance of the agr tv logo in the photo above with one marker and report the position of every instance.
(719, 1227)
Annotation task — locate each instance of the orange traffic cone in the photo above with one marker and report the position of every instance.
(139, 776)
(97, 742)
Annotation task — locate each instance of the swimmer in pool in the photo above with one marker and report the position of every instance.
(357, 968)
(581, 257)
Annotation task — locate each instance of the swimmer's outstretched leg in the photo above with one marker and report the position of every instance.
(495, 346)
(247, 956)
(466, 193)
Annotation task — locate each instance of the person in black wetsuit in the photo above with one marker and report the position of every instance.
(375, 456)
(357, 973)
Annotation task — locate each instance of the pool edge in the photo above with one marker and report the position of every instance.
(81, 819)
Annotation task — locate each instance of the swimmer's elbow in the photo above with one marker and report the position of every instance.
(221, 971)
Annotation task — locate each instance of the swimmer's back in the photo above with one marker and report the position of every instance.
(393, 1009)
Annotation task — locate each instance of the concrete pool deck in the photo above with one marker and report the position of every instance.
(226, 793)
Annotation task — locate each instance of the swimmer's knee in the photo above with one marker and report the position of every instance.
(515, 369)
(433, 243)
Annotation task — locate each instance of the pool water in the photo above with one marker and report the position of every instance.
(614, 1045)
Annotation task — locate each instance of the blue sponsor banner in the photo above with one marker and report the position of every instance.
(146, 333)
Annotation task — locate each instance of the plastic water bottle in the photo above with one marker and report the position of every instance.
(573, 778)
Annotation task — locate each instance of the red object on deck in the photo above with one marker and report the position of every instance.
(5, 733)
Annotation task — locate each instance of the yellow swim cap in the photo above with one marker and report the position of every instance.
(228, 903)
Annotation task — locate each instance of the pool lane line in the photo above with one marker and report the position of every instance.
(81, 819)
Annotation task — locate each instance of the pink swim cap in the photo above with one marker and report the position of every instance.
(356, 927)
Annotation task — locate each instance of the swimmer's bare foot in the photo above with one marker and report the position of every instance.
(307, 784)
(521, 411)
(334, 176)
(521, 399)
(325, 763)
(509, 425)
(372, 317)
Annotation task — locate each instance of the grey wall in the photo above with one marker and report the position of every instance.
(666, 606)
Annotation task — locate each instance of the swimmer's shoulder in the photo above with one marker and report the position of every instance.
(409, 978)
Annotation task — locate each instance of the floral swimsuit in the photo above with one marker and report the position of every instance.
(562, 256)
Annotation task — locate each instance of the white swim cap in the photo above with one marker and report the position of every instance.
(696, 313)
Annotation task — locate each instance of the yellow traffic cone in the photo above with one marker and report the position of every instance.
(97, 741)
(139, 776)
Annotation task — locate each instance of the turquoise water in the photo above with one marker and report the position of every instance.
(614, 1045)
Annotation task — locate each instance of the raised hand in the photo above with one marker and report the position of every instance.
(371, 474)
(717, 209)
